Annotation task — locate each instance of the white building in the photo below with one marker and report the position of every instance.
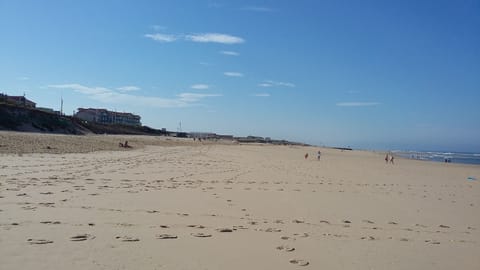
(103, 116)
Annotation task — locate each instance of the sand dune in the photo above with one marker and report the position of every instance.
(175, 204)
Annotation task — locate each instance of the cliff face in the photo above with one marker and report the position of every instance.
(31, 120)
(16, 118)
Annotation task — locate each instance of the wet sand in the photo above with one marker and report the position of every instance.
(174, 204)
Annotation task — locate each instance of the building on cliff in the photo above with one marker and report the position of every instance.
(103, 116)
(18, 101)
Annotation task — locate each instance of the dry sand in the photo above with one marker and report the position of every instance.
(182, 205)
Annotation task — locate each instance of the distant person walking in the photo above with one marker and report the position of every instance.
(319, 154)
(391, 159)
(306, 155)
(387, 158)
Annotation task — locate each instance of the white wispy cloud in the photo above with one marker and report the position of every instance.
(202, 37)
(215, 38)
(110, 96)
(270, 83)
(231, 53)
(258, 9)
(23, 78)
(357, 104)
(161, 37)
(261, 95)
(200, 86)
(233, 74)
(81, 88)
(194, 97)
(128, 88)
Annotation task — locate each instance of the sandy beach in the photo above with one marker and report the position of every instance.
(80, 202)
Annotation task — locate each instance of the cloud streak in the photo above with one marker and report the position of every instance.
(194, 97)
(233, 74)
(357, 104)
(230, 53)
(200, 86)
(163, 38)
(110, 96)
(200, 38)
(215, 38)
(270, 83)
(261, 95)
(128, 88)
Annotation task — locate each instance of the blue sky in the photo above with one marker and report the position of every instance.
(365, 74)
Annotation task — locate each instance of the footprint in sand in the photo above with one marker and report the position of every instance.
(368, 238)
(272, 230)
(202, 235)
(82, 237)
(224, 230)
(50, 222)
(433, 242)
(285, 248)
(39, 241)
(368, 221)
(127, 239)
(304, 235)
(196, 226)
(47, 204)
(299, 262)
(166, 236)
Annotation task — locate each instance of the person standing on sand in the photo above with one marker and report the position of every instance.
(391, 159)
(386, 159)
(319, 154)
(306, 155)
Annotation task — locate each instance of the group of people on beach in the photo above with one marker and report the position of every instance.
(124, 145)
(319, 154)
(389, 158)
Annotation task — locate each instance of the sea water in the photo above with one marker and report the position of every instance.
(454, 157)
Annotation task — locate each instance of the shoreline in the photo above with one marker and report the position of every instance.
(14, 142)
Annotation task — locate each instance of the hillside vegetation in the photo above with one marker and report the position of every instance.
(16, 118)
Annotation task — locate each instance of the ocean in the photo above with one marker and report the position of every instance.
(453, 157)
